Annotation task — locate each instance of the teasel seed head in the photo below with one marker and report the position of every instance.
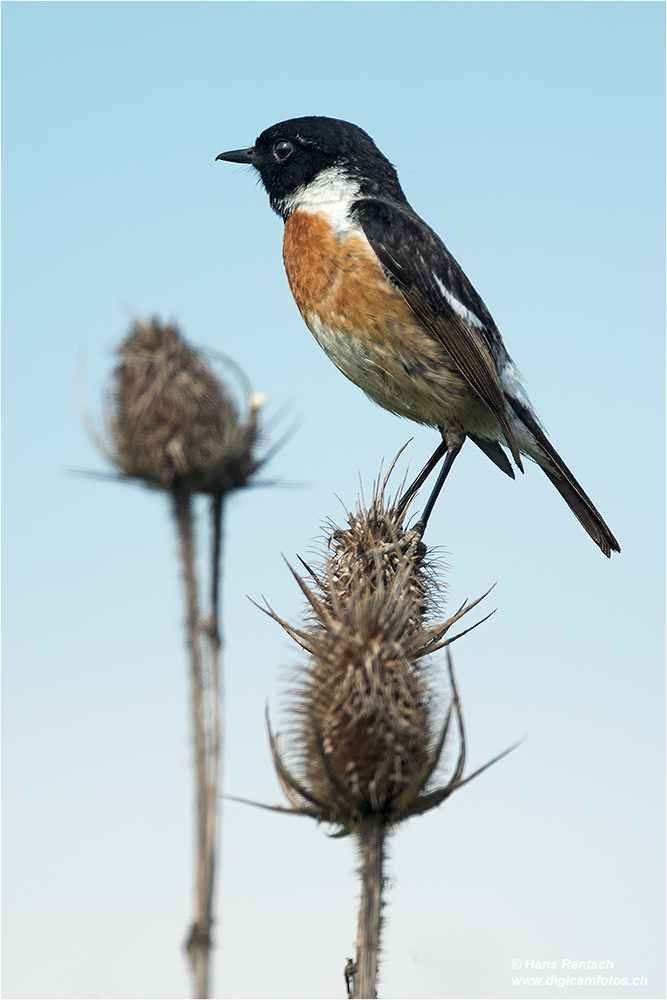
(365, 738)
(171, 419)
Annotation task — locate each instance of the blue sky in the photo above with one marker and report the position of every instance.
(531, 137)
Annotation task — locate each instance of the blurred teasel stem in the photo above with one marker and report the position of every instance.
(365, 748)
(371, 837)
(172, 425)
(205, 695)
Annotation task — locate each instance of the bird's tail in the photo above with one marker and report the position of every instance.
(558, 473)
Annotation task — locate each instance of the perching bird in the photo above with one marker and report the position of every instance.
(392, 308)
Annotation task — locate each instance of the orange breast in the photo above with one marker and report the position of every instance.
(365, 325)
(338, 279)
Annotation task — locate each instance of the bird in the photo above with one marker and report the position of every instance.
(392, 308)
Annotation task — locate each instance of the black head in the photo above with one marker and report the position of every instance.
(292, 154)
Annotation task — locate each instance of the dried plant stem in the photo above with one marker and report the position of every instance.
(206, 732)
(217, 510)
(370, 839)
(212, 663)
(172, 424)
(212, 712)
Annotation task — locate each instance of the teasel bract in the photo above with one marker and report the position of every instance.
(365, 747)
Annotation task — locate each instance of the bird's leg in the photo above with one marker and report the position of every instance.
(414, 487)
(453, 437)
(420, 526)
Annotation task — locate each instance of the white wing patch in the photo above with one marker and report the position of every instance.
(457, 306)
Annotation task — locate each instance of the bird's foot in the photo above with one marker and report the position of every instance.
(406, 543)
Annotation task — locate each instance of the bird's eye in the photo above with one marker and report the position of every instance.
(282, 149)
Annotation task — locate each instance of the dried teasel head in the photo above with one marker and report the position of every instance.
(171, 419)
(365, 739)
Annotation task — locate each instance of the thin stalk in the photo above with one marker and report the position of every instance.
(370, 838)
(199, 939)
(212, 700)
(212, 664)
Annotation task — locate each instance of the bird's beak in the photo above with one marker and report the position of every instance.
(240, 156)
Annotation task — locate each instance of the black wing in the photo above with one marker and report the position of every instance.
(440, 295)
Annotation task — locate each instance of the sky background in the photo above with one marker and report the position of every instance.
(530, 136)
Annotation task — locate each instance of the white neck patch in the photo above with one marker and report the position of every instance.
(331, 192)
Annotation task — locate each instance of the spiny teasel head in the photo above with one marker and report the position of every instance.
(170, 418)
(365, 737)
